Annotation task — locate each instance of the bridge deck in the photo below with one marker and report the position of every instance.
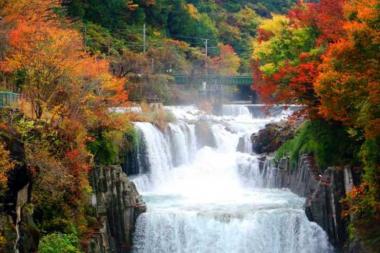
(243, 80)
(8, 99)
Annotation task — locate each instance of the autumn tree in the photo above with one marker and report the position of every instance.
(70, 93)
(49, 61)
(349, 79)
(333, 69)
(227, 63)
(349, 89)
(285, 62)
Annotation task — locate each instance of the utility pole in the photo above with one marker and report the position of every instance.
(144, 38)
(206, 53)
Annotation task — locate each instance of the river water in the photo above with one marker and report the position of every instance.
(206, 199)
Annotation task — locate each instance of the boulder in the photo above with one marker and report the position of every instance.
(270, 138)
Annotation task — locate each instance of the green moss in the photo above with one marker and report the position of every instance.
(104, 150)
(328, 142)
(59, 243)
(131, 139)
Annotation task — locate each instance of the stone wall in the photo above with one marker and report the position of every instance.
(117, 205)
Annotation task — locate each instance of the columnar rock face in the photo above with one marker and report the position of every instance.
(117, 204)
(323, 192)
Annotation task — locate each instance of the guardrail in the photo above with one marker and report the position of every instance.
(244, 80)
(8, 99)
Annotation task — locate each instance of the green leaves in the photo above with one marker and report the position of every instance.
(319, 138)
(59, 243)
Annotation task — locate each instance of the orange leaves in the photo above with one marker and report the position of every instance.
(365, 10)
(77, 161)
(65, 86)
(58, 72)
(6, 165)
(349, 82)
(340, 78)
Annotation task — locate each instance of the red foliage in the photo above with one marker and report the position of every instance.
(262, 85)
(327, 16)
(263, 35)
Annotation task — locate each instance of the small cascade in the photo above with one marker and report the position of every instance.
(245, 144)
(158, 152)
(182, 141)
(226, 140)
(235, 110)
(256, 172)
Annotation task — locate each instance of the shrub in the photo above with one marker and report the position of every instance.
(59, 243)
(362, 203)
(104, 150)
(6, 164)
(328, 142)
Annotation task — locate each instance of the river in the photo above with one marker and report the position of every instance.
(206, 199)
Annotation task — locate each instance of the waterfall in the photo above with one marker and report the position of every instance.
(174, 147)
(217, 198)
(183, 142)
(245, 143)
(256, 172)
(235, 110)
(159, 156)
(267, 231)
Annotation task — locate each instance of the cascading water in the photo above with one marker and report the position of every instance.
(209, 200)
(182, 141)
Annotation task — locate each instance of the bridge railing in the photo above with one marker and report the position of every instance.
(8, 99)
(214, 79)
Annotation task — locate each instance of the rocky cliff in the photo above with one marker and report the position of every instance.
(323, 192)
(117, 205)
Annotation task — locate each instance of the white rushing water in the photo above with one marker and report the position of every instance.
(215, 199)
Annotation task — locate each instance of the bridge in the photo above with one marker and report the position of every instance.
(8, 99)
(239, 80)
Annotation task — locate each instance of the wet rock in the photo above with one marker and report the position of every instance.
(270, 138)
(133, 157)
(118, 204)
(204, 134)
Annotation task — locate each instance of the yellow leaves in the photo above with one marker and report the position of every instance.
(276, 24)
(261, 49)
(268, 69)
(193, 11)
